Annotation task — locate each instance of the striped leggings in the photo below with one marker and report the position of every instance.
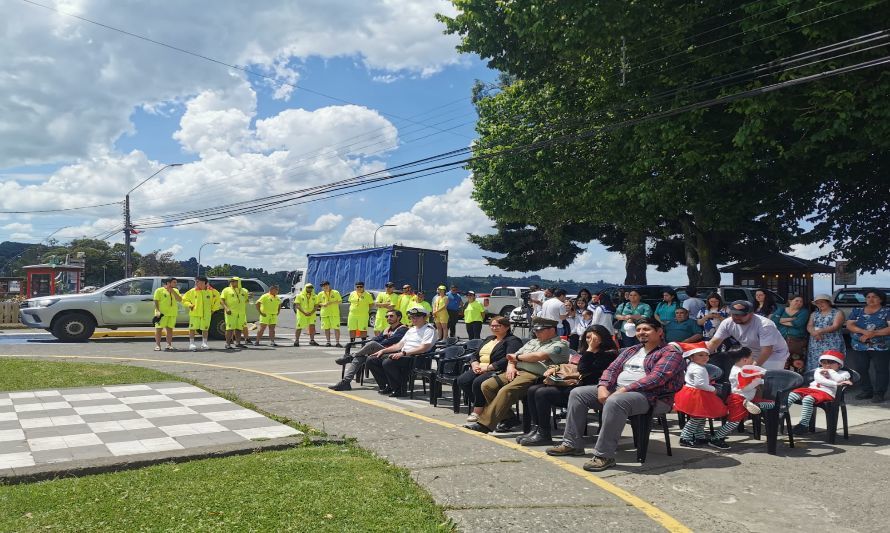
(807, 404)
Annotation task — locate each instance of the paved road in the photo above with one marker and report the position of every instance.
(486, 482)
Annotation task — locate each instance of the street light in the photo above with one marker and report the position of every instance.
(128, 228)
(378, 229)
(199, 255)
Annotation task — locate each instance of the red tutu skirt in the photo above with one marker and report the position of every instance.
(819, 394)
(698, 403)
(735, 403)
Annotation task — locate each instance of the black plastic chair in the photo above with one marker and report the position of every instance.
(832, 408)
(360, 375)
(473, 345)
(776, 386)
(641, 425)
(450, 364)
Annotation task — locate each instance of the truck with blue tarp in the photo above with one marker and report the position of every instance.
(421, 268)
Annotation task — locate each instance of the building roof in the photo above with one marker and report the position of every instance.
(778, 263)
(47, 266)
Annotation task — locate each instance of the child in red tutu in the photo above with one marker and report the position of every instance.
(745, 379)
(823, 388)
(697, 398)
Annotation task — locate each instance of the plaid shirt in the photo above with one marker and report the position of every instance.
(665, 371)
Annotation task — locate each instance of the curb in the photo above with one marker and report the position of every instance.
(104, 465)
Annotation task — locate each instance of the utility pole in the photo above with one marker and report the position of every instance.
(127, 236)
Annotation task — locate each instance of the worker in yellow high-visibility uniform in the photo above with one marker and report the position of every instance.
(166, 308)
(385, 301)
(440, 312)
(268, 305)
(201, 302)
(360, 303)
(329, 309)
(234, 303)
(406, 301)
(305, 307)
(419, 299)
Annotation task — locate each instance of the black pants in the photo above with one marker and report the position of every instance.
(471, 386)
(881, 362)
(541, 399)
(392, 373)
(453, 317)
(474, 330)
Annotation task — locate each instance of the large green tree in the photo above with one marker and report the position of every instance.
(709, 185)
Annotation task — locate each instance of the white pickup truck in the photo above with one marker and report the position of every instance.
(502, 300)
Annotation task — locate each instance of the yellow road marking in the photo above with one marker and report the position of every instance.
(662, 518)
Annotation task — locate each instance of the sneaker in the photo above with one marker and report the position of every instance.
(256, 343)
(345, 360)
(598, 464)
(473, 417)
(341, 386)
(297, 344)
(204, 346)
(327, 344)
(157, 348)
(228, 346)
(800, 430)
(720, 444)
(168, 348)
(686, 443)
(192, 347)
(338, 345)
(313, 343)
(384, 390)
(272, 343)
(752, 408)
(563, 450)
(476, 426)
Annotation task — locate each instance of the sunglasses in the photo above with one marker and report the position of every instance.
(390, 316)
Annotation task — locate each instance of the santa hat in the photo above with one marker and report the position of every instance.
(832, 355)
(689, 348)
(750, 374)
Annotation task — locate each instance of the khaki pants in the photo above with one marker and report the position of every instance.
(500, 398)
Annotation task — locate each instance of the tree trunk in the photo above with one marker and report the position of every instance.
(710, 276)
(635, 258)
(689, 242)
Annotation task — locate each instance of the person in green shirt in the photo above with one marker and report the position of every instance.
(421, 301)
(201, 304)
(682, 328)
(329, 309)
(305, 306)
(268, 305)
(385, 301)
(406, 301)
(166, 308)
(234, 303)
(474, 314)
(360, 303)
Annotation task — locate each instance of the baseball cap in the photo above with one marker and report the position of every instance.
(442, 288)
(390, 284)
(471, 292)
(310, 286)
(740, 307)
(234, 278)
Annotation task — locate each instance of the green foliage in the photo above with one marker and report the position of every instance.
(723, 180)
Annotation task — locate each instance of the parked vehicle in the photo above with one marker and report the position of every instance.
(125, 303)
(729, 293)
(849, 298)
(503, 300)
(651, 294)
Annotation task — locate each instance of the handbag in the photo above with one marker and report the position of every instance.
(566, 375)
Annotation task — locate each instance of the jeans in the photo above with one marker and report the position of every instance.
(359, 358)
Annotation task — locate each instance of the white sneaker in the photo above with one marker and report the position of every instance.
(752, 408)
(204, 346)
(192, 347)
(473, 417)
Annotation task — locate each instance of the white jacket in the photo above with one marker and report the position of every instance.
(828, 383)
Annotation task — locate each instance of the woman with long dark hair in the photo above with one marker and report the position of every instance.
(764, 303)
(597, 351)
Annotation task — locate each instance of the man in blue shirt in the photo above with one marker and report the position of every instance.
(682, 328)
(454, 307)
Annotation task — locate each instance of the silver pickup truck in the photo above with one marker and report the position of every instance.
(126, 303)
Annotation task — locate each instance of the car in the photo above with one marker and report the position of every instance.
(729, 293)
(503, 300)
(125, 303)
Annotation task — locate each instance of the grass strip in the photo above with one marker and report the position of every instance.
(320, 488)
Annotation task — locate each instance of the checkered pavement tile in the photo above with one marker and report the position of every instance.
(55, 426)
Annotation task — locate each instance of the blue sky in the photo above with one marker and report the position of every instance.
(90, 112)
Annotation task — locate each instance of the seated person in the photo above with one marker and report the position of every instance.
(392, 335)
(391, 366)
(524, 368)
(598, 350)
(682, 328)
(488, 361)
(644, 376)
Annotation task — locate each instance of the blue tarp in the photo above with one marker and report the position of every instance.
(343, 269)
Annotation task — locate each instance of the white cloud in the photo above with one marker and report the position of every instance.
(70, 87)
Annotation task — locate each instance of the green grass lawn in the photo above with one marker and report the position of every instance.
(24, 374)
(310, 488)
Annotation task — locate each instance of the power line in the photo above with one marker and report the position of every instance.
(36, 211)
